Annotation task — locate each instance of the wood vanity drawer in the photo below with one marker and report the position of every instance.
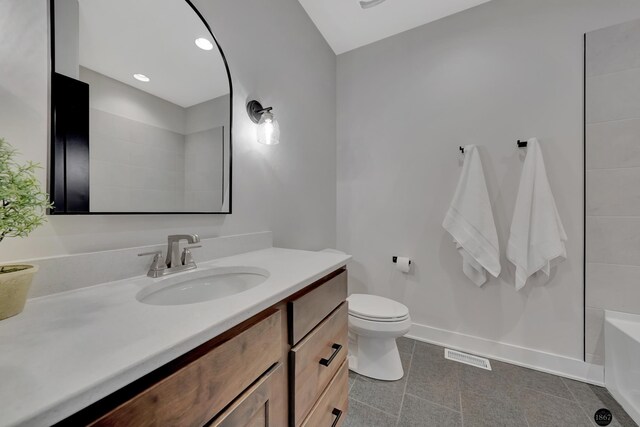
(262, 405)
(195, 393)
(331, 409)
(306, 311)
(315, 361)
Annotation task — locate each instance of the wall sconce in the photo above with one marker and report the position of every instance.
(268, 131)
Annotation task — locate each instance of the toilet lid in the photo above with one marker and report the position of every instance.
(372, 307)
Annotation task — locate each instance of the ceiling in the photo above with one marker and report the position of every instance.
(119, 38)
(346, 26)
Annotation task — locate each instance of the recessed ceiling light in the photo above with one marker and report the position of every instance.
(366, 4)
(204, 44)
(141, 77)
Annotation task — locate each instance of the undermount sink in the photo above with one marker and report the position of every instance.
(202, 285)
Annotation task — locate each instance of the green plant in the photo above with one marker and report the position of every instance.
(24, 203)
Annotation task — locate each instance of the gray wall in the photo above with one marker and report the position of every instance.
(68, 59)
(203, 180)
(136, 167)
(150, 155)
(206, 116)
(137, 149)
(289, 189)
(613, 177)
(490, 75)
(114, 97)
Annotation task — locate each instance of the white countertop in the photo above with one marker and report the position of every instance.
(68, 350)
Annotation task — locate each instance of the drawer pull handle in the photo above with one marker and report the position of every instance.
(327, 362)
(337, 413)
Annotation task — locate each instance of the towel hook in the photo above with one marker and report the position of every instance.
(522, 144)
(462, 149)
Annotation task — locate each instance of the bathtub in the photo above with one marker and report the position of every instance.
(622, 360)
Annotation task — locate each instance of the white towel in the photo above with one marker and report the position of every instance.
(470, 221)
(537, 235)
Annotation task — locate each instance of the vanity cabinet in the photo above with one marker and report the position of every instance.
(285, 366)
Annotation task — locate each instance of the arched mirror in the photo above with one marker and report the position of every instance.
(140, 109)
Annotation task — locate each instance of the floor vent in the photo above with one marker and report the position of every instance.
(467, 359)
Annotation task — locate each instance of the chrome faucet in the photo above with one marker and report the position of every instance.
(174, 263)
(173, 248)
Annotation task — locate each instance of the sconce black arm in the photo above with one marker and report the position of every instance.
(255, 110)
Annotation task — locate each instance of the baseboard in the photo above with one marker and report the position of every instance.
(529, 358)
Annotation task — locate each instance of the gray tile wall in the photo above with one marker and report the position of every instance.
(135, 167)
(204, 170)
(613, 178)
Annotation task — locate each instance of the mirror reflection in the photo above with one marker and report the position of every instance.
(158, 109)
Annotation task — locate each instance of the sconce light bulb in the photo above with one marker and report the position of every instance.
(268, 129)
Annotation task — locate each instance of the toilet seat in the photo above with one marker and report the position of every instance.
(376, 309)
(379, 319)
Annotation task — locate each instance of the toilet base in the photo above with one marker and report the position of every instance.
(376, 358)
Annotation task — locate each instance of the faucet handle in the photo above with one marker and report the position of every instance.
(187, 257)
(156, 253)
(156, 265)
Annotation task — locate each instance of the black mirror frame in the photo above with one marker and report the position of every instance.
(74, 196)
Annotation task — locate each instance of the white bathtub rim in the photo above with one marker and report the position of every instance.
(628, 325)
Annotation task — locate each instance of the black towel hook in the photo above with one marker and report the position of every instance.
(521, 144)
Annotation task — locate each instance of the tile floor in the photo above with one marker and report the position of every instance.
(439, 392)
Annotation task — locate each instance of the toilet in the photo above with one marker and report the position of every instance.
(374, 324)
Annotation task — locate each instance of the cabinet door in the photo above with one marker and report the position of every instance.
(262, 405)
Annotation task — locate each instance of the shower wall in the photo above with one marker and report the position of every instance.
(612, 178)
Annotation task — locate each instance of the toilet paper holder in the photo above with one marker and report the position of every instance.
(395, 260)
